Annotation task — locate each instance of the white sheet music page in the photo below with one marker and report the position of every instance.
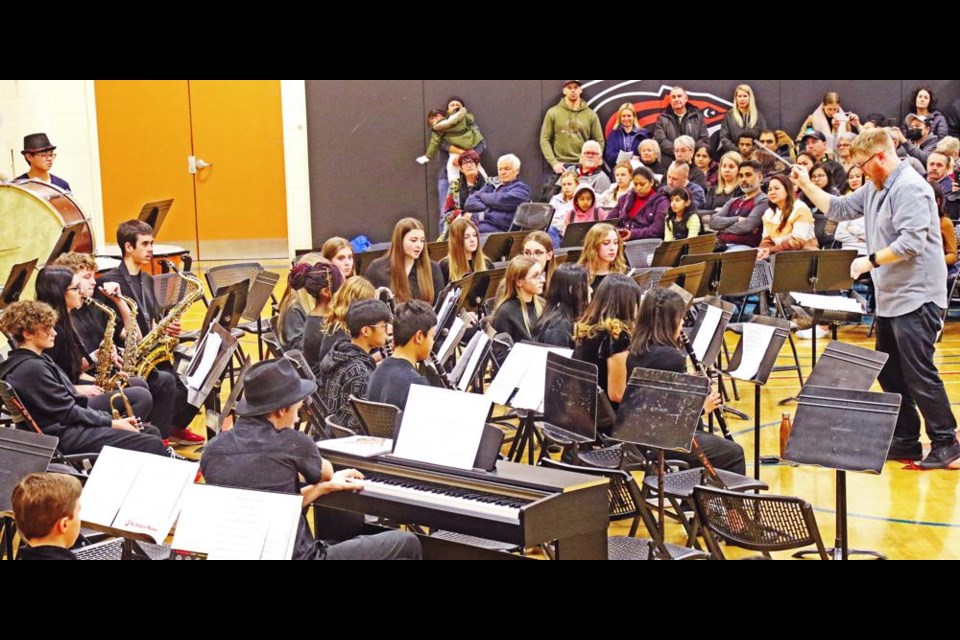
(707, 331)
(511, 373)
(442, 427)
(211, 347)
(470, 372)
(450, 342)
(756, 341)
(827, 303)
(136, 492)
(531, 388)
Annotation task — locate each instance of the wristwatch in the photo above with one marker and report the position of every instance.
(873, 260)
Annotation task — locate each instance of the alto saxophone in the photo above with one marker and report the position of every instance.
(157, 346)
(384, 294)
(106, 351)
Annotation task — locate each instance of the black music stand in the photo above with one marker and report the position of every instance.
(812, 272)
(484, 285)
(16, 282)
(155, 213)
(767, 362)
(21, 453)
(261, 290)
(497, 246)
(732, 273)
(215, 420)
(576, 233)
(670, 253)
(197, 396)
(65, 243)
(570, 400)
(661, 410)
(712, 354)
(689, 278)
(844, 430)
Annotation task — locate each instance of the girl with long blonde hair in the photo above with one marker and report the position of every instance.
(463, 251)
(602, 253)
(407, 269)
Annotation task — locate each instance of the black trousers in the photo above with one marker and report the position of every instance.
(92, 440)
(722, 454)
(170, 407)
(909, 340)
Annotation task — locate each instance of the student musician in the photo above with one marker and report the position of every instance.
(46, 508)
(407, 269)
(294, 307)
(135, 239)
(602, 254)
(519, 306)
(50, 397)
(567, 297)
(339, 252)
(538, 246)
(656, 345)
(414, 331)
(335, 325)
(318, 284)
(463, 251)
(63, 290)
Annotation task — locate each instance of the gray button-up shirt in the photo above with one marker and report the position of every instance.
(901, 216)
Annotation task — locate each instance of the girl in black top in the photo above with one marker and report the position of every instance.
(539, 246)
(59, 287)
(520, 305)
(320, 282)
(463, 251)
(407, 269)
(656, 345)
(684, 223)
(602, 253)
(602, 335)
(567, 296)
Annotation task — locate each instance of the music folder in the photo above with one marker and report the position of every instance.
(212, 356)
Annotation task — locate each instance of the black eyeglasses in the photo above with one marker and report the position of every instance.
(863, 165)
(73, 288)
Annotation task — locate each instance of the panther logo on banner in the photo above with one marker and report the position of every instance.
(606, 96)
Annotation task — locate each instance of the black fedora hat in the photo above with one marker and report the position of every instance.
(36, 143)
(272, 385)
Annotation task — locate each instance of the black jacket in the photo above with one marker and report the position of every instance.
(345, 371)
(669, 127)
(148, 310)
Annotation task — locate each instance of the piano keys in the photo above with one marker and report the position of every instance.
(516, 503)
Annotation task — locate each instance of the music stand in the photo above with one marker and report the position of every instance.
(844, 430)
(484, 285)
(661, 410)
(732, 273)
(669, 254)
(497, 246)
(21, 453)
(570, 400)
(16, 282)
(689, 278)
(216, 419)
(259, 293)
(437, 250)
(155, 213)
(576, 233)
(812, 272)
(65, 243)
(231, 300)
(760, 378)
(197, 396)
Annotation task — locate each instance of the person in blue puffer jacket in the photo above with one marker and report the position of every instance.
(495, 205)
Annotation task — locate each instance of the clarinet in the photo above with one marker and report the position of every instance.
(436, 372)
(384, 294)
(702, 371)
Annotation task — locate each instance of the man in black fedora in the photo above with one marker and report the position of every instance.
(39, 154)
(263, 452)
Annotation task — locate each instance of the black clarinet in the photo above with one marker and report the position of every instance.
(702, 370)
(436, 373)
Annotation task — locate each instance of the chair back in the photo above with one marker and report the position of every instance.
(639, 253)
(378, 419)
(532, 216)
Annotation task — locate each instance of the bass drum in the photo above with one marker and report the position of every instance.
(36, 218)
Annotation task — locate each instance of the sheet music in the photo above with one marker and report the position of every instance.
(707, 331)
(229, 523)
(450, 342)
(531, 389)
(470, 372)
(442, 427)
(363, 446)
(211, 347)
(510, 374)
(136, 492)
(624, 156)
(447, 307)
(756, 341)
(827, 303)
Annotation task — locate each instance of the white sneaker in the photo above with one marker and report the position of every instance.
(807, 334)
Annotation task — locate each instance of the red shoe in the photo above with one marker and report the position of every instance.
(185, 436)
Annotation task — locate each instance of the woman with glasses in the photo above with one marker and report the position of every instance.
(538, 246)
(519, 306)
(60, 288)
(463, 251)
(472, 179)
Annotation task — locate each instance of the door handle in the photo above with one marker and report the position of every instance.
(194, 164)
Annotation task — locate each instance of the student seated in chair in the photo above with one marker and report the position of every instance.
(46, 507)
(414, 328)
(51, 398)
(264, 452)
(347, 367)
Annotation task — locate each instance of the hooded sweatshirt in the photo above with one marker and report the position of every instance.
(345, 371)
(583, 215)
(565, 130)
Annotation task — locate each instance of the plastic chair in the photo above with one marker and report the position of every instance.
(532, 216)
(761, 523)
(379, 420)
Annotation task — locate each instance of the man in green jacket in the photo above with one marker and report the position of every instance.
(566, 127)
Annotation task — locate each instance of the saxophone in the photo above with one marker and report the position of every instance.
(133, 336)
(105, 354)
(157, 346)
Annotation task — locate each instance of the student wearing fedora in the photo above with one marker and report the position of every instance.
(263, 452)
(39, 154)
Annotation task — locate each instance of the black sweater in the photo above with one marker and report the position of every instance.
(379, 275)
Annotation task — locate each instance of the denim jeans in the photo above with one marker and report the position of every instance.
(909, 341)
